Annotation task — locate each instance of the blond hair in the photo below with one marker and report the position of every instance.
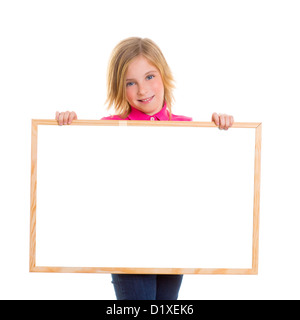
(120, 58)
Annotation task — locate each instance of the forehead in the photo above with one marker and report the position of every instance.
(139, 66)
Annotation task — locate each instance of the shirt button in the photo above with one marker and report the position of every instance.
(152, 118)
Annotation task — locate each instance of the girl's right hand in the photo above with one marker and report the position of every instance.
(65, 117)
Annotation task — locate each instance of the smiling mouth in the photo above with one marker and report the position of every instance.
(146, 100)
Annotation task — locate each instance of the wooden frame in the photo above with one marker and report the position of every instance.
(33, 200)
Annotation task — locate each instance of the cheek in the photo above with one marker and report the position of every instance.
(158, 87)
(130, 94)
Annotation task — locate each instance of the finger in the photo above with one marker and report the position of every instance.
(230, 121)
(227, 122)
(222, 121)
(72, 117)
(66, 116)
(61, 118)
(215, 118)
(56, 115)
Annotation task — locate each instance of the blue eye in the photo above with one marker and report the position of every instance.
(129, 84)
(150, 77)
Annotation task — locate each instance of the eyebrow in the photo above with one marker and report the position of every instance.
(153, 71)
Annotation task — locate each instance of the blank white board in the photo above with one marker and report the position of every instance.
(144, 197)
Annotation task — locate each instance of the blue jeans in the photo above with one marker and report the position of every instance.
(146, 287)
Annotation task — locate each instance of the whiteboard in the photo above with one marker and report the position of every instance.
(128, 197)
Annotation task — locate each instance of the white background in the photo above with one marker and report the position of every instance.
(235, 57)
(163, 209)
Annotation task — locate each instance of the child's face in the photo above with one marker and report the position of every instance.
(144, 86)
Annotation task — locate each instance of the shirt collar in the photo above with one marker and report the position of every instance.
(162, 115)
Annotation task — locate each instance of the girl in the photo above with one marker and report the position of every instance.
(140, 87)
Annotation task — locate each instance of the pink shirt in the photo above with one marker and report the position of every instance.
(162, 115)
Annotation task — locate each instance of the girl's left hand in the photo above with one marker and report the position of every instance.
(223, 121)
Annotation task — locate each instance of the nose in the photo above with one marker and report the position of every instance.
(142, 90)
